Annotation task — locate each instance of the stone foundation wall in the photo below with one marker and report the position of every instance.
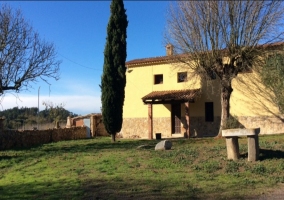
(162, 125)
(200, 128)
(138, 127)
(267, 125)
(134, 128)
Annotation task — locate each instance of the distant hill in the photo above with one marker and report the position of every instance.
(16, 116)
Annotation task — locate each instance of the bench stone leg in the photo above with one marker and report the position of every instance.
(232, 144)
(253, 148)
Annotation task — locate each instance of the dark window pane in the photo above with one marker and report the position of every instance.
(176, 118)
(209, 112)
(181, 77)
(158, 79)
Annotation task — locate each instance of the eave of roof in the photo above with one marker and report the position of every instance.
(181, 95)
(148, 61)
(167, 59)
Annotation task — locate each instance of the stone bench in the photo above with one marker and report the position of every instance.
(232, 142)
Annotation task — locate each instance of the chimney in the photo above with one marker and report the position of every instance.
(169, 49)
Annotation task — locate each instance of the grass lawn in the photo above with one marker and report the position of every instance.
(99, 169)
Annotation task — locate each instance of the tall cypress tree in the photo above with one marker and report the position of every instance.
(113, 79)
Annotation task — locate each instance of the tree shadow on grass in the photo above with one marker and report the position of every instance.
(265, 154)
(270, 154)
(84, 145)
(139, 189)
(101, 189)
(101, 143)
(91, 145)
(5, 157)
(74, 146)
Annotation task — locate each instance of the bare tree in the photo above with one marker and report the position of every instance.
(224, 38)
(24, 58)
(55, 111)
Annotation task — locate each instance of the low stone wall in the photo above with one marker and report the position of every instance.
(267, 125)
(40, 126)
(29, 138)
(100, 129)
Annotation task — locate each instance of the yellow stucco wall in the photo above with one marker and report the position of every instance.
(210, 93)
(251, 98)
(140, 82)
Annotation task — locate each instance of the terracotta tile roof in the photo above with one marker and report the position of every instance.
(172, 95)
(153, 60)
(275, 44)
(166, 59)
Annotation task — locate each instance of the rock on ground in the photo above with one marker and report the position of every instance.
(164, 145)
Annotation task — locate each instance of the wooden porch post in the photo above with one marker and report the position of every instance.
(187, 119)
(150, 122)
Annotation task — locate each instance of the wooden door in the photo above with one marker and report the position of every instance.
(176, 118)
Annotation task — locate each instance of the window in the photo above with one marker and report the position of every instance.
(209, 112)
(158, 79)
(181, 77)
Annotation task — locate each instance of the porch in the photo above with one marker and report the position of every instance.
(173, 100)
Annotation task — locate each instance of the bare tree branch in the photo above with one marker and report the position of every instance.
(224, 38)
(24, 57)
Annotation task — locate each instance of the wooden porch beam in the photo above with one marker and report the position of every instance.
(167, 101)
(150, 121)
(187, 119)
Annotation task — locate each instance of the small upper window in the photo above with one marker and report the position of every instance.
(181, 77)
(158, 79)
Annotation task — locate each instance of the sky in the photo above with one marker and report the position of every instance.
(78, 30)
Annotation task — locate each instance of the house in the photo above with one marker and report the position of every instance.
(161, 99)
